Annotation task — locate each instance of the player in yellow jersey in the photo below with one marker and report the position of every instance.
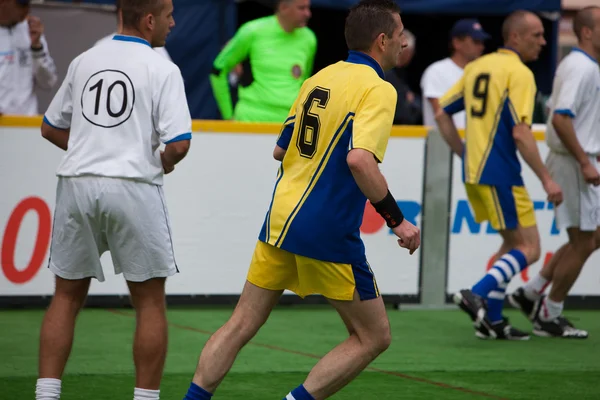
(497, 91)
(330, 146)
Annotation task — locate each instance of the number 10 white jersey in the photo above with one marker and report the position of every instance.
(120, 100)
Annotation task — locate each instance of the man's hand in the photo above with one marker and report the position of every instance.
(167, 167)
(409, 236)
(36, 29)
(553, 191)
(590, 174)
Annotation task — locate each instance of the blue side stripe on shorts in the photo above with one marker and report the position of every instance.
(365, 281)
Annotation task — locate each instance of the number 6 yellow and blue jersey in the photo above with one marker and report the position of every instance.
(317, 207)
(498, 92)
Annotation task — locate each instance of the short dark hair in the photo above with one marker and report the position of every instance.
(367, 20)
(584, 19)
(513, 23)
(133, 11)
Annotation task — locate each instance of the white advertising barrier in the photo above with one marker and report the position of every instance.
(473, 245)
(217, 199)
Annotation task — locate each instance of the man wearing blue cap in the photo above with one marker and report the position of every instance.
(466, 44)
(25, 62)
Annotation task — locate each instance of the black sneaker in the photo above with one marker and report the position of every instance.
(504, 331)
(475, 307)
(519, 301)
(559, 327)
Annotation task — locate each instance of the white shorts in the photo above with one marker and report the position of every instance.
(128, 218)
(581, 201)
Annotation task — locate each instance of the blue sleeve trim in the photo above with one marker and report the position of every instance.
(289, 119)
(286, 136)
(183, 136)
(52, 125)
(565, 111)
(457, 105)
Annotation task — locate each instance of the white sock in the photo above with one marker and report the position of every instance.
(550, 310)
(145, 394)
(47, 389)
(535, 287)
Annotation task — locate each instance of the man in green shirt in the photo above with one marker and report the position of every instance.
(281, 51)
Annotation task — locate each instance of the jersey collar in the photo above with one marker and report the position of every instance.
(125, 38)
(586, 54)
(357, 57)
(508, 50)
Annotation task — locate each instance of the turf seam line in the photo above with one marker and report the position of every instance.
(318, 357)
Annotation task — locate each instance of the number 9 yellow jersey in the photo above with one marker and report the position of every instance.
(317, 207)
(497, 91)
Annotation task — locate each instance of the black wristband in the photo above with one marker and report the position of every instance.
(389, 210)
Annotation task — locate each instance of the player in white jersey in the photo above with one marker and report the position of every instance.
(160, 50)
(466, 44)
(116, 104)
(573, 136)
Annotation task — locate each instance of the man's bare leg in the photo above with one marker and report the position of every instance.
(581, 245)
(56, 336)
(150, 340)
(219, 353)
(370, 335)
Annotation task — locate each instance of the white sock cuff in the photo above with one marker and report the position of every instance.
(554, 304)
(49, 381)
(143, 394)
(47, 389)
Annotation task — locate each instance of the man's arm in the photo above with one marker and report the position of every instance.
(521, 98)
(435, 104)
(449, 132)
(569, 98)
(56, 126)
(370, 134)
(373, 185)
(367, 175)
(563, 125)
(279, 153)
(236, 51)
(173, 153)
(172, 119)
(527, 146)
(450, 103)
(56, 136)
(44, 69)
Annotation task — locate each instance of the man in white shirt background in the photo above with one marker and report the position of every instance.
(573, 136)
(25, 62)
(160, 50)
(466, 44)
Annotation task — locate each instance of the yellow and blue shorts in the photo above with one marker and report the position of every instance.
(505, 207)
(276, 269)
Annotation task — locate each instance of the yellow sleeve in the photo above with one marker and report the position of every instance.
(453, 100)
(373, 120)
(521, 95)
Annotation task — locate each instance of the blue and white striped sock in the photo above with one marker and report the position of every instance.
(495, 302)
(509, 265)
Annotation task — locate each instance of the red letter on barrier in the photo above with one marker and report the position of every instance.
(372, 221)
(11, 233)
